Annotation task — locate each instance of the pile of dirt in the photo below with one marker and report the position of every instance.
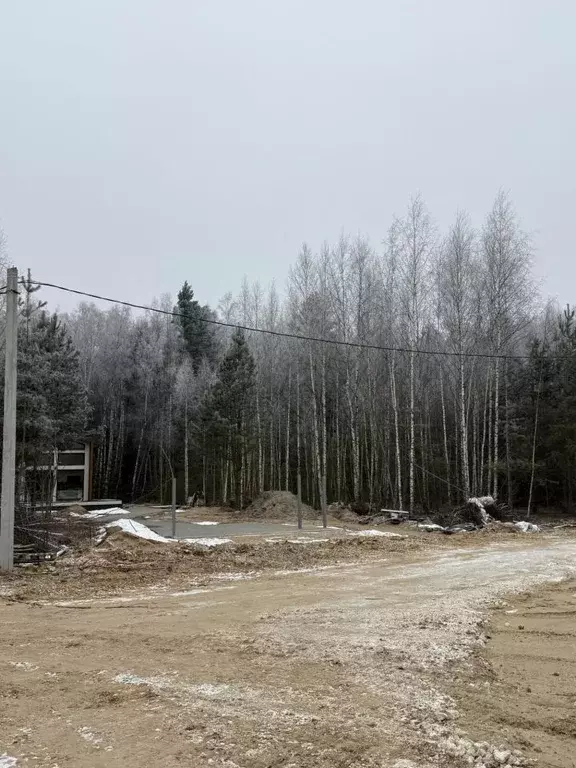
(75, 509)
(279, 505)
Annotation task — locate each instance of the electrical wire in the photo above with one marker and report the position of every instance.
(285, 334)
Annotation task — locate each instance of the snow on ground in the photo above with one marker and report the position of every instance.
(306, 541)
(139, 530)
(525, 527)
(8, 762)
(97, 513)
(388, 534)
(205, 522)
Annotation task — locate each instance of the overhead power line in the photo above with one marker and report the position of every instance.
(285, 334)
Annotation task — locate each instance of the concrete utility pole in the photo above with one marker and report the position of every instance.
(9, 442)
(173, 507)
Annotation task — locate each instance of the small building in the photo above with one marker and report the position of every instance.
(67, 478)
(71, 470)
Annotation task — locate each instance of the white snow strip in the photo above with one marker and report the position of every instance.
(208, 690)
(388, 534)
(330, 527)
(96, 513)
(205, 542)
(8, 762)
(429, 527)
(139, 530)
(138, 598)
(205, 522)
(306, 541)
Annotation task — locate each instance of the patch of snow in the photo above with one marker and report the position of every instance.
(525, 527)
(96, 513)
(128, 679)
(8, 762)
(208, 689)
(306, 541)
(388, 534)
(235, 576)
(190, 592)
(205, 542)
(205, 522)
(89, 736)
(429, 527)
(139, 530)
(24, 665)
(330, 527)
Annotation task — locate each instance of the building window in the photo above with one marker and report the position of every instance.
(71, 459)
(70, 485)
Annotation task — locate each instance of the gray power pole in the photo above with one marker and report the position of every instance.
(173, 507)
(9, 442)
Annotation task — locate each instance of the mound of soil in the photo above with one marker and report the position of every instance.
(75, 509)
(279, 505)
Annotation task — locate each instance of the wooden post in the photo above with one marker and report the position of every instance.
(9, 441)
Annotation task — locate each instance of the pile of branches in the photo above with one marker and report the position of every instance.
(477, 511)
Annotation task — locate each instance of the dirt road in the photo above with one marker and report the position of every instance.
(348, 665)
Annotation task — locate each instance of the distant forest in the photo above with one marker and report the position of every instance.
(474, 393)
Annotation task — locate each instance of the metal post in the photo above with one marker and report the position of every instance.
(9, 441)
(173, 507)
(299, 497)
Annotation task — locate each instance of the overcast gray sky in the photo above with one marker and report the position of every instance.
(144, 142)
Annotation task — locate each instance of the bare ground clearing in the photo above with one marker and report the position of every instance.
(523, 682)
(343, 665)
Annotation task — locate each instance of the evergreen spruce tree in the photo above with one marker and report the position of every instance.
(228, 414)
(196, 332)
(52, 405)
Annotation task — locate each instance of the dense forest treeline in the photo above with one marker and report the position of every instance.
(233, 413)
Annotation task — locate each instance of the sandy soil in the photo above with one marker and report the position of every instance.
(524, 682)
(340, 665)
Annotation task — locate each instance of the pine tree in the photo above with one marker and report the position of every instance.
(52, 406)
(196, 333)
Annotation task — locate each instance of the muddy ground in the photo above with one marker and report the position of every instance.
(524, 680)
(362, 658)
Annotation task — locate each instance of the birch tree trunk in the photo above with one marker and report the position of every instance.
(260, 447)
(464, 432)
(186, 462)
(412, 436)
(445, 437)
(287, 469)
(323, 499)
(317, 459)
(396, 432)
(496, 425)
(507, 439)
